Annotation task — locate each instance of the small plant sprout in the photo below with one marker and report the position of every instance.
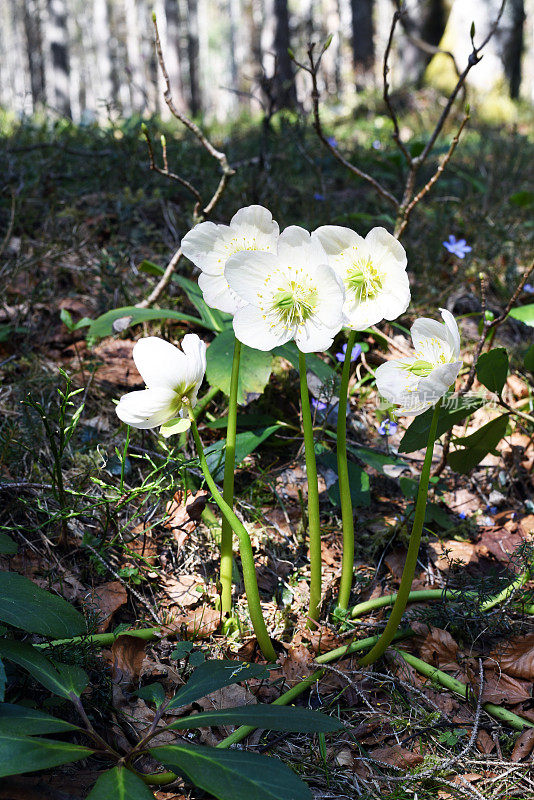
(172, 377)
(373, 271)
(209, 246)
(423, 379)
(417, 382)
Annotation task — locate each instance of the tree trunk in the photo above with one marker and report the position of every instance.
(193, 54)
(284, 79)
(362, 40)
(34, 45)
(58, 39)
(173, 51)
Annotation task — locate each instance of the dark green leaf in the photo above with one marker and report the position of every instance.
(3, 681)
(120, 783)
(28, 754)
(358, 483)
(409, 487)
(245, 444)
(416, 437)
(61, 679)
(529, 359)
(214, 319)
(492, 369)
(274, 718)
(476, 446)
(233, 774)
(27, 606)
(524, 314)
(375, 459)
(153, 693)
(182, 649)
(254, 371)
(523, 198)
(103, 325)
(28, 721)
(243, 421)
(314, 364)
(435, 513)
(149, 268)
(213, 675)
(7, 546)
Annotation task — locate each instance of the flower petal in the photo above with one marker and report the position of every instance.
(173, 426)
(205, 246)
(453, 334)
(314, 338)
(253, 329)
(256, 217)
(160, 363)
(335, 238)
(218, 294)
(248, 271)
(147, 408)
(384, 247)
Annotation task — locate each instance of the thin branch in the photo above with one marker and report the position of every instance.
(7, 237)
(313, 71)
(387, 99)
(165, 171)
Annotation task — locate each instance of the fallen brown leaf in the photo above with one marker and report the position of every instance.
(108, 598)
(118, 368)
(184, 512)
(502, 542)
(524, 745)
(485, 743)
(128, 653)
(516, 657)
(397, 756)
(297, 664)
(184, 590)
(199, 623)
(443, 553)
(438, 647)
(501, 688)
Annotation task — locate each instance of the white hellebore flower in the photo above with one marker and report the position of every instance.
(417, 382)
(172, 377)
(373, 271)
(292, 294)
(209, 246)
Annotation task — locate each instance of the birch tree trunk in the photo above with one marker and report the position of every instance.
(362, 40)
(284, 79)
(34, 50)
(59, 97)
(193, 52)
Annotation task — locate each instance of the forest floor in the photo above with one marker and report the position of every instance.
(86, 211)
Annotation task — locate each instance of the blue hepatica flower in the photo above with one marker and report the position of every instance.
(528, 288)
(332, 141)
(458, 247)
(462, 515)
(387, 427)
(356, 352)
(318, 196)
(318, 404)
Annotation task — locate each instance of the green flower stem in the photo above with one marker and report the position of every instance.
(285, 699)
(498, 712)
(413, 550)
(347, 563)
(245, 547)
(202, 403)
(228, 487)
(314, 520)
(389, 599)
(506, 592)
(104, 639)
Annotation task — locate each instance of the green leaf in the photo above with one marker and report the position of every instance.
(152, 693)
(213, 675)
(214, 319)
(524, 314)
(233, 774)
(103, 325)
(29, 721)
(261, 715)
(245, 444)
(375, 459)
(61, 679)
(477, 445)
(529, 359)
(27, 606)
(66, 319)
(120, 783)
(523, 198)
(254, 371)
(314, 364)
(149, 268)
(416, 437)
(243, 421)
(492, 369)
(358, 482)
(7, 546)
(28, 754)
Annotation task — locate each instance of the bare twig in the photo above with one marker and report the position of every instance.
(387, 99)
(9, 231)
(199, 211)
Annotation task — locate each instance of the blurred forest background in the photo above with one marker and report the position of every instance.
(91, 59)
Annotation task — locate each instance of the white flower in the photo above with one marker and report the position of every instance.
(373, 271)
(292, 294)
(417, 383)
(209, 246)
(171, 376)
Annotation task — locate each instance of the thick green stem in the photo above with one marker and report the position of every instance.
(247, 556)
(314, 520)
(104, 639)
(228, 487)
(498, 712)
(389, 599)
(506, 592)
(347, 563)
(413, 550)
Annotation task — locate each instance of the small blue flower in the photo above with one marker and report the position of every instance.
(377, 144)
(318, 404)
(528, 288)
(387, 427)
(318, 196)
(332, 141)
(356, 352)
(462, 515)
(491, 509)
(457, 247)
